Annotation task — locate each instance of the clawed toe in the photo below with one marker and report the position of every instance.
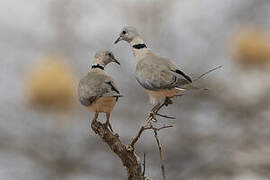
(108, 125)
(152, 117)
(168, 101)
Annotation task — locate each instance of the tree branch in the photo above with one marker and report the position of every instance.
(129, 159)
(144, 165)
(146, 127)
(160, 154)
(126, 153)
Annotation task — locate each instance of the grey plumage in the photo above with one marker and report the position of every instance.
(155, 73)
(96, 90)
(94, 86)
(159, 76)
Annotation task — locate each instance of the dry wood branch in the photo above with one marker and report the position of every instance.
(137, 136)
(146, 127)
(126, 153)
(160, 154)
(155, 129)
(129, 159)
(144, 165)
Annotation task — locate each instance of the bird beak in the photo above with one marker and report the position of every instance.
(117, 62)
(117, 40)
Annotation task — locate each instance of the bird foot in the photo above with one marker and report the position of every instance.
(152, 117)
(168, 101)
(107, 124)
(130, 148)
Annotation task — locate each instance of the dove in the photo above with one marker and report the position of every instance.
(159, 76)
(97, 91)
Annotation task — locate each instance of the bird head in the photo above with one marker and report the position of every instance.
(128, 33)
(105, 57)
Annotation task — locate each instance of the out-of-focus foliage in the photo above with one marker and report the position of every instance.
(251, 46)
(51, 84)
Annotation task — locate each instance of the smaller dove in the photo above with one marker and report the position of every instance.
(96, 90)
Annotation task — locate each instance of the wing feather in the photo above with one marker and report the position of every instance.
(93, 86)
(154, 73)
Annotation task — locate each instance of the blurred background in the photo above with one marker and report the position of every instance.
(46, 46)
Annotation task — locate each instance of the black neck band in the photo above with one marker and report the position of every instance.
(97, 66)
(139, 46)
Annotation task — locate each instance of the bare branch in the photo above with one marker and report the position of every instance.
(163, 127)
(146, 127)
(129, 159)
(144, 165)
(138, 136)
(165, 116)
(126, 153)
(161, 155)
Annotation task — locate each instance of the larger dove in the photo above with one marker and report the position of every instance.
(159, 76)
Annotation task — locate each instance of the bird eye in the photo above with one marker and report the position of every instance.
(124, 32)
(109, 54)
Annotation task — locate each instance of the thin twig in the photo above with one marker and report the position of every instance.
(202, 75)
(144, 165)
(146, 127)
(165, 116)
(163, 127)
(161, 155)
(138, 136)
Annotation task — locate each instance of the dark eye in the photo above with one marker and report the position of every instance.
(109, 54)
(124, 32)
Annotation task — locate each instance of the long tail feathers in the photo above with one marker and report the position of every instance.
(119, 95)
(190, 86)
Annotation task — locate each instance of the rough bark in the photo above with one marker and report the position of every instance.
(129, 159)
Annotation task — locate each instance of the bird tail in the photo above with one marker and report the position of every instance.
(118, 95)
(184, 84)
(190, 86)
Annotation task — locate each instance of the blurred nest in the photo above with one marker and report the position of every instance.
(51, 84)
(251, 47)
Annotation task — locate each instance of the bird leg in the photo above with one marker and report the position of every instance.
(95, 117)
(107, 123)
(152, 114)
(167, 101)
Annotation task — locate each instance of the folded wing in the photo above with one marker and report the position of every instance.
(155, 73)
(94, 86)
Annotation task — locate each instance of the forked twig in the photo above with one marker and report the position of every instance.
(155, 129)
(146, 127)
(138, 136)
